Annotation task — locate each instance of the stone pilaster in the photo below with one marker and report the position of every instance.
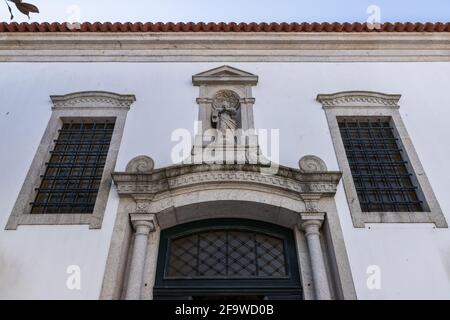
(311, 224)
(143, 224)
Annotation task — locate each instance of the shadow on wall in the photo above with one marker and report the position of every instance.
(14, 281)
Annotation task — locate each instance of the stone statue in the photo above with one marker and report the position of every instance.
(225, 106)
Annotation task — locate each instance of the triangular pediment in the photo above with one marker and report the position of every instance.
(224, 74)
(224, 71)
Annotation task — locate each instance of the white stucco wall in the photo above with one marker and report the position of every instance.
(414, 258)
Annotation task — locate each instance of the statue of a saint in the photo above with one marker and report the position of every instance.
(224, 111)
(224, 116)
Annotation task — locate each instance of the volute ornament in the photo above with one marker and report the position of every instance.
(140, 164)
(310, 164)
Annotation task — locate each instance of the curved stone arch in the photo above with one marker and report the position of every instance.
(173, 208)
(207, 204)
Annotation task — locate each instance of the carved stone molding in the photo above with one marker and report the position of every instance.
(92, 99)
(308, 219)
(216, 47)
(144, 186)
(311, 164)
(130, 184)
(145, 219)
(311, 202)
(204, 100)
(358, 99)
(312, 216)
(140, 164)
(143, 203)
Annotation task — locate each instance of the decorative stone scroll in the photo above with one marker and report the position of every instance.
(311, 164)
(140, 164)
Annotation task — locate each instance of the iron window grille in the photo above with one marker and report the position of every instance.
(73, 174)
(227, 254)
(378, 166)
(219, 258)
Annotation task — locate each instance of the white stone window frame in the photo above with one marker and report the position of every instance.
(88, 105)
(360, 104)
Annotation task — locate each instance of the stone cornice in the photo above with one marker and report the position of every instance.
(203, 47)
(358, 99)
(184, 176)
(90, 99)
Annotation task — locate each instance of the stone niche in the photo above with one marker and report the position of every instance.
(226, 112)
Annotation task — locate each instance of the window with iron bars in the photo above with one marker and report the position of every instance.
(379, 166)
(73, 174)
(227, 254)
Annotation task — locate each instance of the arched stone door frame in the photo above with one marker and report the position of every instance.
(153, 200)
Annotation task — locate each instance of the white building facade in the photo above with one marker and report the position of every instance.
(112, 189)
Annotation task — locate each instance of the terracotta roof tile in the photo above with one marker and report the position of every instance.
(223, 27)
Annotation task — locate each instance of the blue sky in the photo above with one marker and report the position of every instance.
(233, 10)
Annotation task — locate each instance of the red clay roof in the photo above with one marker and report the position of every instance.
(223, 27)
